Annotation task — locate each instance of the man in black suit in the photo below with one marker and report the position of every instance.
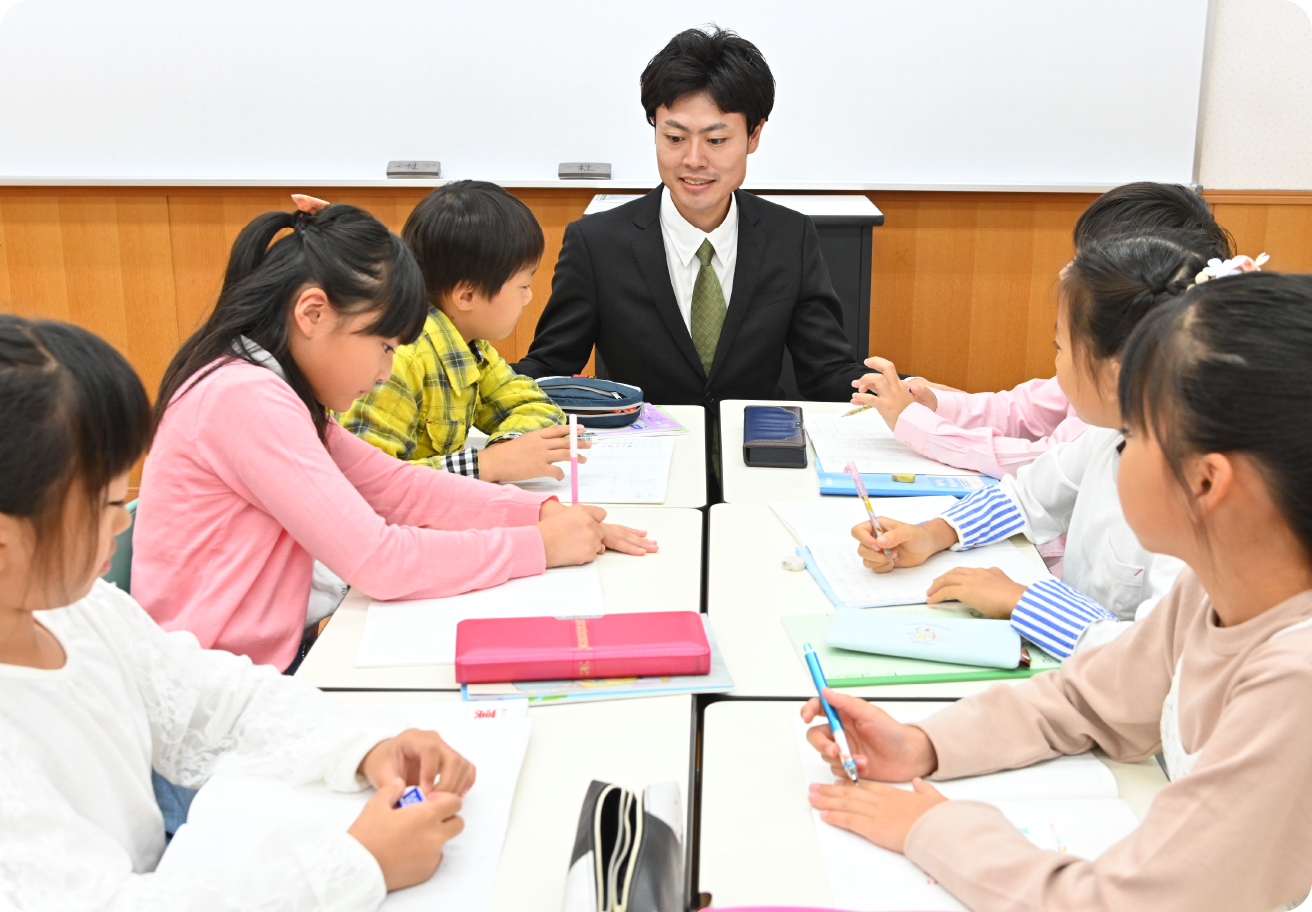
(694, 291)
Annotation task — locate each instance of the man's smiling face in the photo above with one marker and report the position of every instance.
(701, 153)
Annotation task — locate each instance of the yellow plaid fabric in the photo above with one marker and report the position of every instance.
(439, 388)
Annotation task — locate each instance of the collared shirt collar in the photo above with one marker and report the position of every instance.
(687, 238)
(459, 359)
(258, 355)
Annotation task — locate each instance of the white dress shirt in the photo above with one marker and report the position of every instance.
(682, 240)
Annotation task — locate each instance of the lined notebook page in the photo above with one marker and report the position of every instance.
(866, 440)
(1067, 805)
(619, 470)
(824, 527)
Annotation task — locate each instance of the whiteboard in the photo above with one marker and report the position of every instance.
(871, 93)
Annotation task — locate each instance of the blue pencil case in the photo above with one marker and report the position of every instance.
(958, 641)
(885, 485)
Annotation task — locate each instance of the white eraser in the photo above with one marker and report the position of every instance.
(794, 562)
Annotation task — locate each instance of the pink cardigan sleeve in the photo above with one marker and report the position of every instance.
(392, 529)
(993, 433)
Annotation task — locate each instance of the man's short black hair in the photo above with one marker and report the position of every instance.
(731, 69)
(1147, 206)
(472, 231)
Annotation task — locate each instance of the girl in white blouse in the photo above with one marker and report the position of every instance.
(93, 695)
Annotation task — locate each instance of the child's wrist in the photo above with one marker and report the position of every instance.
(942, 535)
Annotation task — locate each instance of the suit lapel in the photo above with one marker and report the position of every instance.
(649, 251)
(746, 272)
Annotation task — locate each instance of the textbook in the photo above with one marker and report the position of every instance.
(233, 814)
(594, 689)
(823, 528)
(845, 668)
(1068, 805)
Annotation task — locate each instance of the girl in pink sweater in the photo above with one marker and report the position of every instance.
(250, 480)
(998, 433)
(1215, 393)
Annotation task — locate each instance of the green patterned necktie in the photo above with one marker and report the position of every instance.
(707, 307)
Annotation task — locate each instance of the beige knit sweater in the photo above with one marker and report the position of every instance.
(1234, 835)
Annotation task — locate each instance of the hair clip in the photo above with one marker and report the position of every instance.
(1219, 269)
(310, 205)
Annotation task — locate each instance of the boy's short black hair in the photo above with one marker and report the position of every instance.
(730, 68)
(472, 231)
(1147, 206)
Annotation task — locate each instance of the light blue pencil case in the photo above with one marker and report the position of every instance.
(959, 641)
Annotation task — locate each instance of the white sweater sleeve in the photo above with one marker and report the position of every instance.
(206, 709)
(1046, 489)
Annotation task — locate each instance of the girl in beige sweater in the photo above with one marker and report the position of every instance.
(1217, 393)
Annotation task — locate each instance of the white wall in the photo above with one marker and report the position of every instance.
(1257, 119)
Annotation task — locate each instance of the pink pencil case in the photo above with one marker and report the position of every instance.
(498, 650)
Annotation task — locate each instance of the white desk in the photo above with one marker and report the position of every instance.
(669, 580)
(743, 485)
(758, 844)
(630, 742)
(747, 593)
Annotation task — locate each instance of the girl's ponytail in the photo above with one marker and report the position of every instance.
(252, 245)
(360, 265)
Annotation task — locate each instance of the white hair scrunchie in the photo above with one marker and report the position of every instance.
(1219, 269)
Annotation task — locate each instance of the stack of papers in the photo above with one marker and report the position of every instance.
(233, 815)
(423, 631)
(619, 470)
(823, 529)
(1065, 805)
(865, 439)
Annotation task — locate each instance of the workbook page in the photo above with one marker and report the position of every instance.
(865, 439)
(824, 528)
(423, 631)
(618, 470)
(1064, 805)
(233, 814)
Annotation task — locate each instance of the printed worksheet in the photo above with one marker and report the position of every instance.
(423, 631)
(634, 470)
(233, 814)
(1065, 805)
(823, 528)
(866, 440)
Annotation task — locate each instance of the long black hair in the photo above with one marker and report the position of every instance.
(1224, 369)
(75, 417)
(360, 265)
(1114, 283)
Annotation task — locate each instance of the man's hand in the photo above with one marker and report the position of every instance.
(418, 758)
(989, 591)
(529, 455)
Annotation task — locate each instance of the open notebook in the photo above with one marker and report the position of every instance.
(1065, 805)
(632, 470)
(866, 440)
(423, 631)
(823, 527)
(233, 814)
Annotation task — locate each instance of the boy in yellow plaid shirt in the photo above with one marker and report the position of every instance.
(478, 247)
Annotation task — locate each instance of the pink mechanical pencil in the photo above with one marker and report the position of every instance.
(852, 473)
(574, 458)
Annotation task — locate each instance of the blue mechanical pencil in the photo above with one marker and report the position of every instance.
(840, 738)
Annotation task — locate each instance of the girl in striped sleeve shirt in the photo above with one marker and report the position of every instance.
(1108, 578)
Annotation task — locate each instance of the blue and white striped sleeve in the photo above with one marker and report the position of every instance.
(985, 517)
(1053, 615)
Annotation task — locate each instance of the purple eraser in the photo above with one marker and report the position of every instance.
(412, 795)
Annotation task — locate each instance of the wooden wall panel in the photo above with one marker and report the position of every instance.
(962, 284)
